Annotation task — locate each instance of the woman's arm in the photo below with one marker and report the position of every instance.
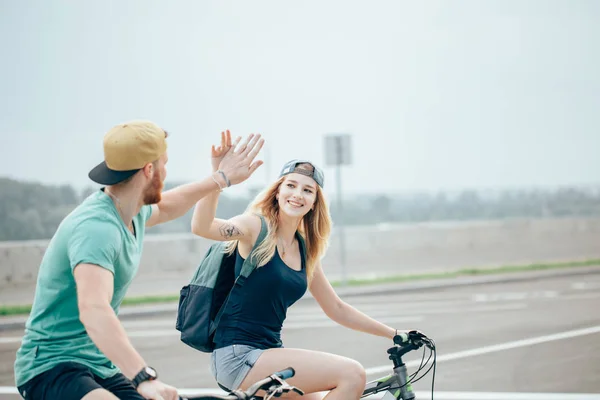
(342, 312)
(243, 227)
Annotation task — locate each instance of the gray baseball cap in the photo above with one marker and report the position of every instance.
(292, 167)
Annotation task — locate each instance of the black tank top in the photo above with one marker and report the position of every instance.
(255, 312)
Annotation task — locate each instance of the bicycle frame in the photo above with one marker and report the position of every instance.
(396, 385)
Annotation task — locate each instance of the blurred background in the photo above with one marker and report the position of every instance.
(471, 128)
(456, 110)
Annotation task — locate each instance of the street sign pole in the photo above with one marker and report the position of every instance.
(341, 224)
(337, 152)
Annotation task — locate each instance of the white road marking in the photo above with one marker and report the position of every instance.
(582, 296)
(511, 296)
(579, 285)
(10, 339)
(588, 285)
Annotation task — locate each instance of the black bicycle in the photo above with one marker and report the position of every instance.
(397, 385)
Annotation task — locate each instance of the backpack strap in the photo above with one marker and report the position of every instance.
(250, 262)
(302, 248)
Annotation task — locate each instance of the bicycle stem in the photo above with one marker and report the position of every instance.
(406, 392)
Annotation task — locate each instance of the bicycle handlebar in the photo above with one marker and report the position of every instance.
(286, 373)
(413, 338)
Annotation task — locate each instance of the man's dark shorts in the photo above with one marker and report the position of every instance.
(72, 381)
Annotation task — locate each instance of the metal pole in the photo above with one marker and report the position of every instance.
(341, 220)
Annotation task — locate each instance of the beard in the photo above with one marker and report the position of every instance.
(153, 193)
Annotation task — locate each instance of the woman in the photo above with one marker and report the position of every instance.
(248, 345)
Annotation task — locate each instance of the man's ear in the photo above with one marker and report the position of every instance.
(148, 170)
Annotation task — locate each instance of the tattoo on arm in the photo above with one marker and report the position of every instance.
(229, 230)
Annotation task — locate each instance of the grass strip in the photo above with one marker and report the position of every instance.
(24, 309)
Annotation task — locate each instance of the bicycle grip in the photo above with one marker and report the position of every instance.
(400, 338)
(286, 373)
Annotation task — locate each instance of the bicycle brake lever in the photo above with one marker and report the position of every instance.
(300, 392)
(429, 345)
(414, 334)
(274, 392)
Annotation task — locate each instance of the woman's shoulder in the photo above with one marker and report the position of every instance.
(253, 220)
(252, 223)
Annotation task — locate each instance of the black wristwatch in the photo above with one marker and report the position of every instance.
(146, 374)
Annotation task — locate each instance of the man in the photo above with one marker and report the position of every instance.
(74, 346)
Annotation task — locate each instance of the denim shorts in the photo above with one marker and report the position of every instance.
(230, 365)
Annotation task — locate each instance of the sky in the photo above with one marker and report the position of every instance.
(436, 95)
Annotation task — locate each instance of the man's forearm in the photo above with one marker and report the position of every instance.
(177, 201)
(106, 331)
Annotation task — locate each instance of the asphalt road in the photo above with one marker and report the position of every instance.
(538, 336)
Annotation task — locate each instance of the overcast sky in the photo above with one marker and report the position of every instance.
(436, 94)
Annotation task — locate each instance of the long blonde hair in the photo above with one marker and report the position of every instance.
(314, 228)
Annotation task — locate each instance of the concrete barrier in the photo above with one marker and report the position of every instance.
(371, 250)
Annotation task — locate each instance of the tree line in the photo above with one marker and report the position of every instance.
(30, 210)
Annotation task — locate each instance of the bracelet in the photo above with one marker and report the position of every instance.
(217, 182)
(224, 178)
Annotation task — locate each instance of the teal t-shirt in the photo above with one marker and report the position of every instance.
(92, 233)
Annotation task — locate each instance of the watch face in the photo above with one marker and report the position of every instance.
(151, 372)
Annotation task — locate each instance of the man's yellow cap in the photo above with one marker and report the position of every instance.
(128, 147)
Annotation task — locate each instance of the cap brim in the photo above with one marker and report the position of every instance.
(317, 174)
(105, 176)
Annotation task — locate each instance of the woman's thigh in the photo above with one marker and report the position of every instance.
(315, 371)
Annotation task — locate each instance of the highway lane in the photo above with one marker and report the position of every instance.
(533, 336)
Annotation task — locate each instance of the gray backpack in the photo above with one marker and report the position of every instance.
(203, 300)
